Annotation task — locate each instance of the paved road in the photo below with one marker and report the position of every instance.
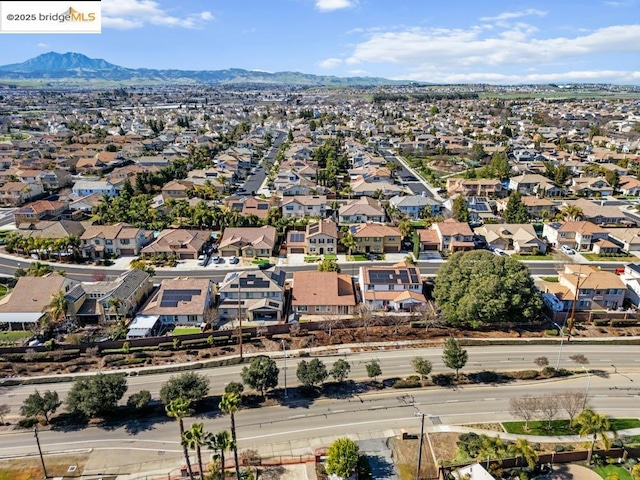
(614, 392)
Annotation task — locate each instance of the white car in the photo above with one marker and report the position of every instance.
(500, 252)
(567, 250)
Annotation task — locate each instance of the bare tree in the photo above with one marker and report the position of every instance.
(294, 329)
(4, 410)
(330, 322)
(398, 321)
(549, 407)
(580, 359)
(261, 331)
(541, 362)
(365, 319)
(572, 403)
(427, 315)
(526, 408)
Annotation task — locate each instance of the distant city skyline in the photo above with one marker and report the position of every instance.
(462, 41)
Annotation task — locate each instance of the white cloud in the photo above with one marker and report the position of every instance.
(330, 5)
(458, 49)
(606, 76)
(511, 15)
(330, 63)
(43, 45)
(128, 14)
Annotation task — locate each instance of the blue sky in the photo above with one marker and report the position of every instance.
(455, 41)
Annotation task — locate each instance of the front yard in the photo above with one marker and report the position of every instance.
(593, 257)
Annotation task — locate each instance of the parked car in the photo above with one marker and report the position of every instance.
(234, 260)
(202, 259)
(500, 252)
(217, 259)
(567, 250)
(265, 266)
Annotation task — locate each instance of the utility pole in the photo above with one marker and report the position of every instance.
(35, 434)
(573, 307)
(239, 318)
(284, 350)
(421, 442)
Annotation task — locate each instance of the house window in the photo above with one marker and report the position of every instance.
(302, 308)
(329, 240)
(192, 318)
(96, 241)
(322, 308)
(125, 241)
(329, 249)
(584, 303)
(377, 240)
(108, 242)
(392, 239)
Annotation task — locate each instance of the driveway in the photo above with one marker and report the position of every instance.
(379, 455)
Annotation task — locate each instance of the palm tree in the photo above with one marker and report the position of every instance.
(195, 438)
(230, 404)
(595, 424)
(113, 305)
(178, 409)
(523, 449)
(348, 241)
(57, 308)
(572, 212)
(221, 442)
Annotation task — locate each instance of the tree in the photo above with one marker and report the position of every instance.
(4, 410)
(572, 403)
(549, 406)
(234, 387)
(56, 310)
(613, 178)
(406, 227)
(373, 369)
(635, 472)
(312, 372)
(477, 152)
(221, 442)
(230, 404)
(421, 366)
(524, 407)
(179, 408)
(342, 457)
(541, 362)
(195, 438)
(596, 425)
(521, 448)
(97, 395)
(261, 374)
(328, 265)
(580, 359)
(459, 209)
(476, 289)
(572, 212)
(45, 405)
(139, 400)
(188, 386)
(516, 211)
(340, 370)
(453, 355)
(348, 241)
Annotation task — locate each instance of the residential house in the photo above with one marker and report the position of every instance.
(253, 295)
(99, 241)
(627, 239)
(24, 307)
(53, 229)
(631, 278)
(482, 187)
(365, 209)
(592, 288)
(629, 186)
(363, 187)
(600, 213)
(454, 236)
(323, 293)
(249, 206)
(429, 239)
(580, 236)
(182, 301)
(416, 206)
(39, 210)
(19, 193)
(248, 241)
(54, 179)
(84, 188)
(521, 238)
(376, 238)
(590, 187)
(176, 189)
(179, 243)
(304, 206)
(539, 208)
(321, 238)
(109, 300)
(533, 184)
(396, 287)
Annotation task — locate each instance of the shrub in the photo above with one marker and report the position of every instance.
(406, 383)
(524, 375)
(28, 422)
(165, 346)
(549, 372)
(487, 376)
(551, 332)
(443, 379)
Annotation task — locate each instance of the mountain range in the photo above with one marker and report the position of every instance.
(57, 67)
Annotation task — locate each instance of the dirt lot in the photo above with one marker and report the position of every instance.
(31, 468)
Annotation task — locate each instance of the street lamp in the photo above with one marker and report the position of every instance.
(35, 434)
(586, 393)
(284, 352)
(561, 331)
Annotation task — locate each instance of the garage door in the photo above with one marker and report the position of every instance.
(296, 250)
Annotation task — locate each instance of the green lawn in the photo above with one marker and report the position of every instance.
(607, 258)
(527, 258)
(357, 258)
(259, 261)
(185, 330)
(550, 279)
(623, 474)
(561, 427)
(3, 290)
(16, 336)
(330, 256)
(311, 259)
